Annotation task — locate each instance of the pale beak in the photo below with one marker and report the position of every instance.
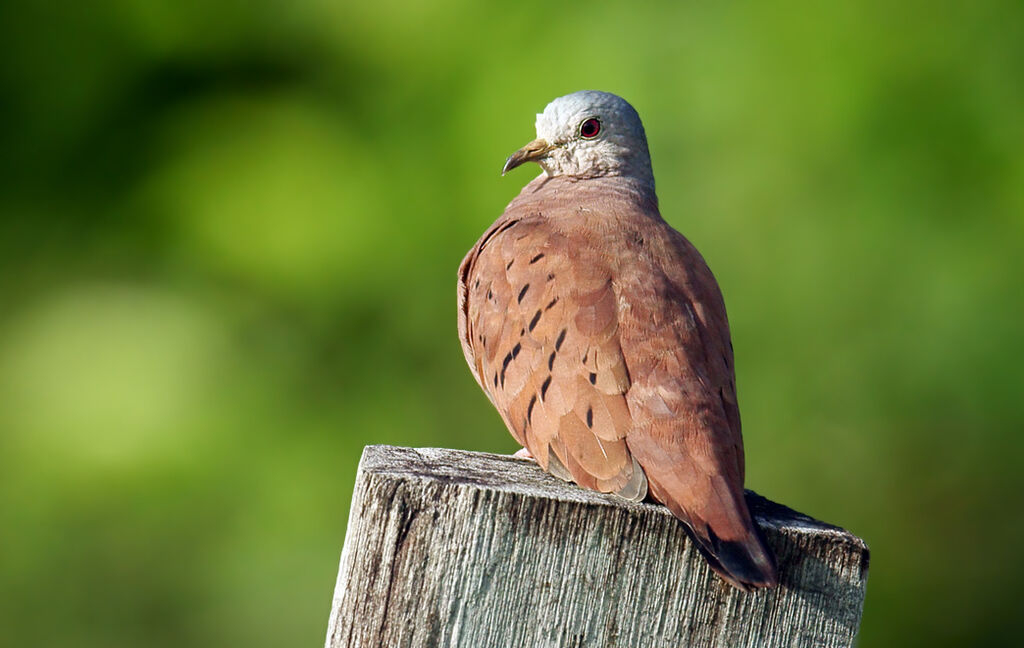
(532, 152)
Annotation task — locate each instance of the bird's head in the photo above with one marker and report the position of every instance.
(588, 134)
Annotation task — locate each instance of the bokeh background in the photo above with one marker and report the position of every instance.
(228, 247)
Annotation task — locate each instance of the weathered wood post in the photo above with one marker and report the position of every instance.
(451, 548)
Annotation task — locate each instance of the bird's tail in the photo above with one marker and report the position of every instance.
(738, 551)
(746, 563)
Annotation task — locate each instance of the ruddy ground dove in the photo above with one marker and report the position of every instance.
(600, 335)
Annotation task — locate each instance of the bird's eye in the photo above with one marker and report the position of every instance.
(590, 128)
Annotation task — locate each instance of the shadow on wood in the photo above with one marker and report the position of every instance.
(453, 548)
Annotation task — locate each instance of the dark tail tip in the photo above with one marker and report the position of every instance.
(748, 563)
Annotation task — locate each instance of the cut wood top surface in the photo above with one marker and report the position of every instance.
(513, 475)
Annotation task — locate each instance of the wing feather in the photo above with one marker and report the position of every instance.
(540, 332)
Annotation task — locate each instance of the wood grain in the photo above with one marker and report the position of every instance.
(453, 548)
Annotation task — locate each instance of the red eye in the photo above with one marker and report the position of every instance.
(590, 128)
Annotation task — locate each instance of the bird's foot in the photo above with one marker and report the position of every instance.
(523, 453)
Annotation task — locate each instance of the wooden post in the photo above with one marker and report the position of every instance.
(451, 548)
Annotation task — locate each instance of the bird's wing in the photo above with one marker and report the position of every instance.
(539, 328)
(686, 426)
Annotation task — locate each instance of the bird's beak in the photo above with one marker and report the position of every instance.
(533, 151)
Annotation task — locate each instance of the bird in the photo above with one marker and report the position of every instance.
(600, 335)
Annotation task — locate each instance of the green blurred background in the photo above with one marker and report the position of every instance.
(229, 239)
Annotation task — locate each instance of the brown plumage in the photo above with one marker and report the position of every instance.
(600, 336)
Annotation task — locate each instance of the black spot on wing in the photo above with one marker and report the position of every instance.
(558, 342)
(522, 293)
(504, 366)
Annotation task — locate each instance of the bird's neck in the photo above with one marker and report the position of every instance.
(585, 165)
(575, 192)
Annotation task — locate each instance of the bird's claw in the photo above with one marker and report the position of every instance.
(523, 453)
